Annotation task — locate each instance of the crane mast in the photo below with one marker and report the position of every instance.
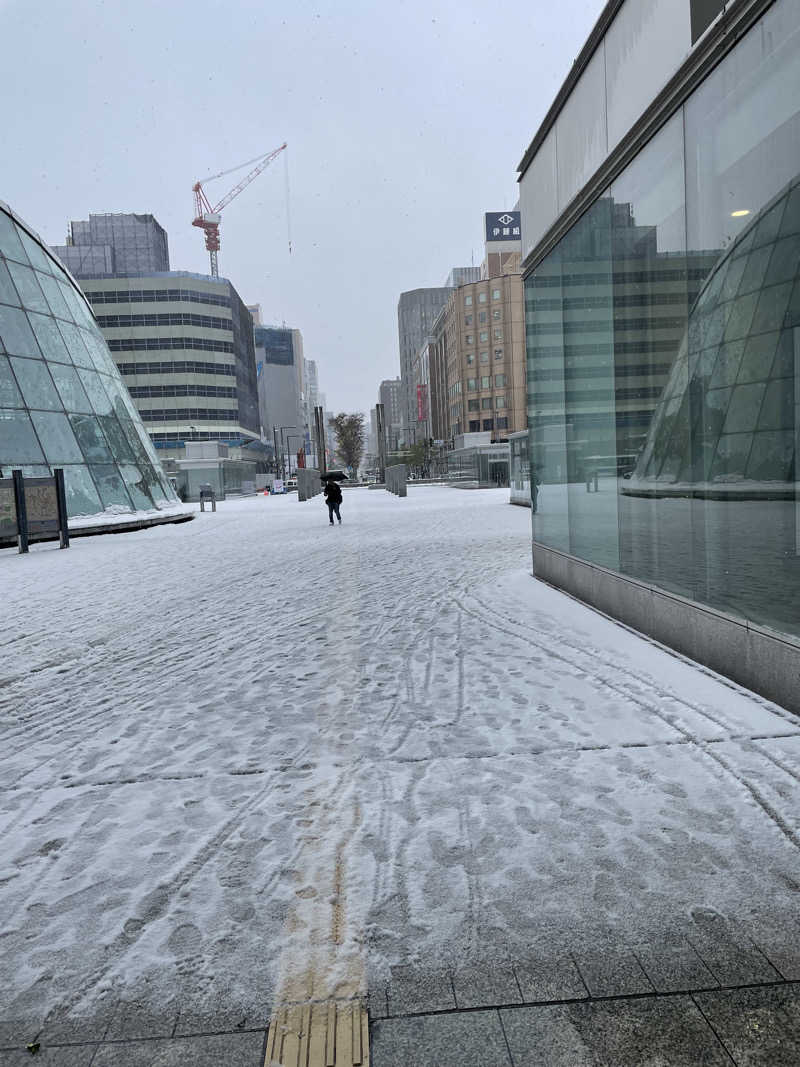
(208, 216)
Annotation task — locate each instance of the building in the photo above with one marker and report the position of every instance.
(390, 394)
(416, 313)
(115, 244)
(184, 346)
(660, 251)
(63, 402)
(311, 400)
(483, 339)
(279, 366)
(462, 275)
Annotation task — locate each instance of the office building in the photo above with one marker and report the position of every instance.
(661, 234)
(184, 346)
(279, 364)
(115, 244)
(390, 394)
(483, 338)
(416, 313)
(62, 400)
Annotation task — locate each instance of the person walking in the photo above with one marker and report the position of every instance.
(333, 498)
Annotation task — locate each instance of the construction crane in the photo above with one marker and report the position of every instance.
(208, 218)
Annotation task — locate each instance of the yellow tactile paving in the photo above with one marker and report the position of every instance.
(330, 1033)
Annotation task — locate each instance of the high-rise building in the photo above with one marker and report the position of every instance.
(115, 244)
(390, 395)
(482, 338)
(184, 346)
(416, 313)
(279, 367)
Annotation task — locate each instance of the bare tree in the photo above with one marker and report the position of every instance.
(349, 432)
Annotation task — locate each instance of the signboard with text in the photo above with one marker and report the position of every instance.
(503, 226)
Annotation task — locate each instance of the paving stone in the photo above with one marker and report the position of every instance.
(478, 987)
(782, 949)
(545, 1036)
(194, 1021)
(556, 979)
(468, 1039)
(731, 956)
(65, 1029)
(377, 1004)
(412, 991)
(66, 1056)
(133, 1020)
(15, 1032)
(674, 968)
(625, 1033)
(232, 1050)
(613, 974)
(759, 1027)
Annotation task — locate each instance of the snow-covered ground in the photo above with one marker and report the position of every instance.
(253, 756)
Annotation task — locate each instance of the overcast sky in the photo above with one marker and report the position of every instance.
(405, 122)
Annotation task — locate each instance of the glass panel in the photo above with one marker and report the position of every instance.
(645, 45)
(74, 341)
(111, 486)
(10, 244)
(91, 439)
(55, 298)
(67, 294)
(70, 388)
(82, 496)
(99, 353)
(138, 484)
(8, 293)
(16, 333)
(28, 288)
(581, 134)
(37, 387)
(10, 396)
(56, 437)
(20, 444)
(95, 391)
(742, 170)
(36, 254)
(115, 435)
(49, 337)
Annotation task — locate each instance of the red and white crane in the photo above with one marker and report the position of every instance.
(208, 218)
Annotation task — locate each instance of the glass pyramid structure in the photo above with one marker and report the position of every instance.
(62, 400)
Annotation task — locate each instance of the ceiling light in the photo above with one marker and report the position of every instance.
(740, 214)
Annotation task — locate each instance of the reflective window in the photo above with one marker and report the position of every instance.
(16, 334)
(49, 338)
(663, 349)
(69, 386)
(56, 437)
(30, 292)
(10, 396)
(20, 444)
(35, 383)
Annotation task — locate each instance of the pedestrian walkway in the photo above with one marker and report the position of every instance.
(249, 762)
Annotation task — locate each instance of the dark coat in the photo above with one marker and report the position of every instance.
(333, 494)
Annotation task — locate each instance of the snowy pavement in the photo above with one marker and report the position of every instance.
(252, 758)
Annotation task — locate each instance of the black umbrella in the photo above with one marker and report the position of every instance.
(334, 476)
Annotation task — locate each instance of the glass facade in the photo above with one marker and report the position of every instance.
(663, 350)
(62, 401)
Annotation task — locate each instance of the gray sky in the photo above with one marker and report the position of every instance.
(405, 122)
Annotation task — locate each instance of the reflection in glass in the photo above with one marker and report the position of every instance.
(663, 350)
